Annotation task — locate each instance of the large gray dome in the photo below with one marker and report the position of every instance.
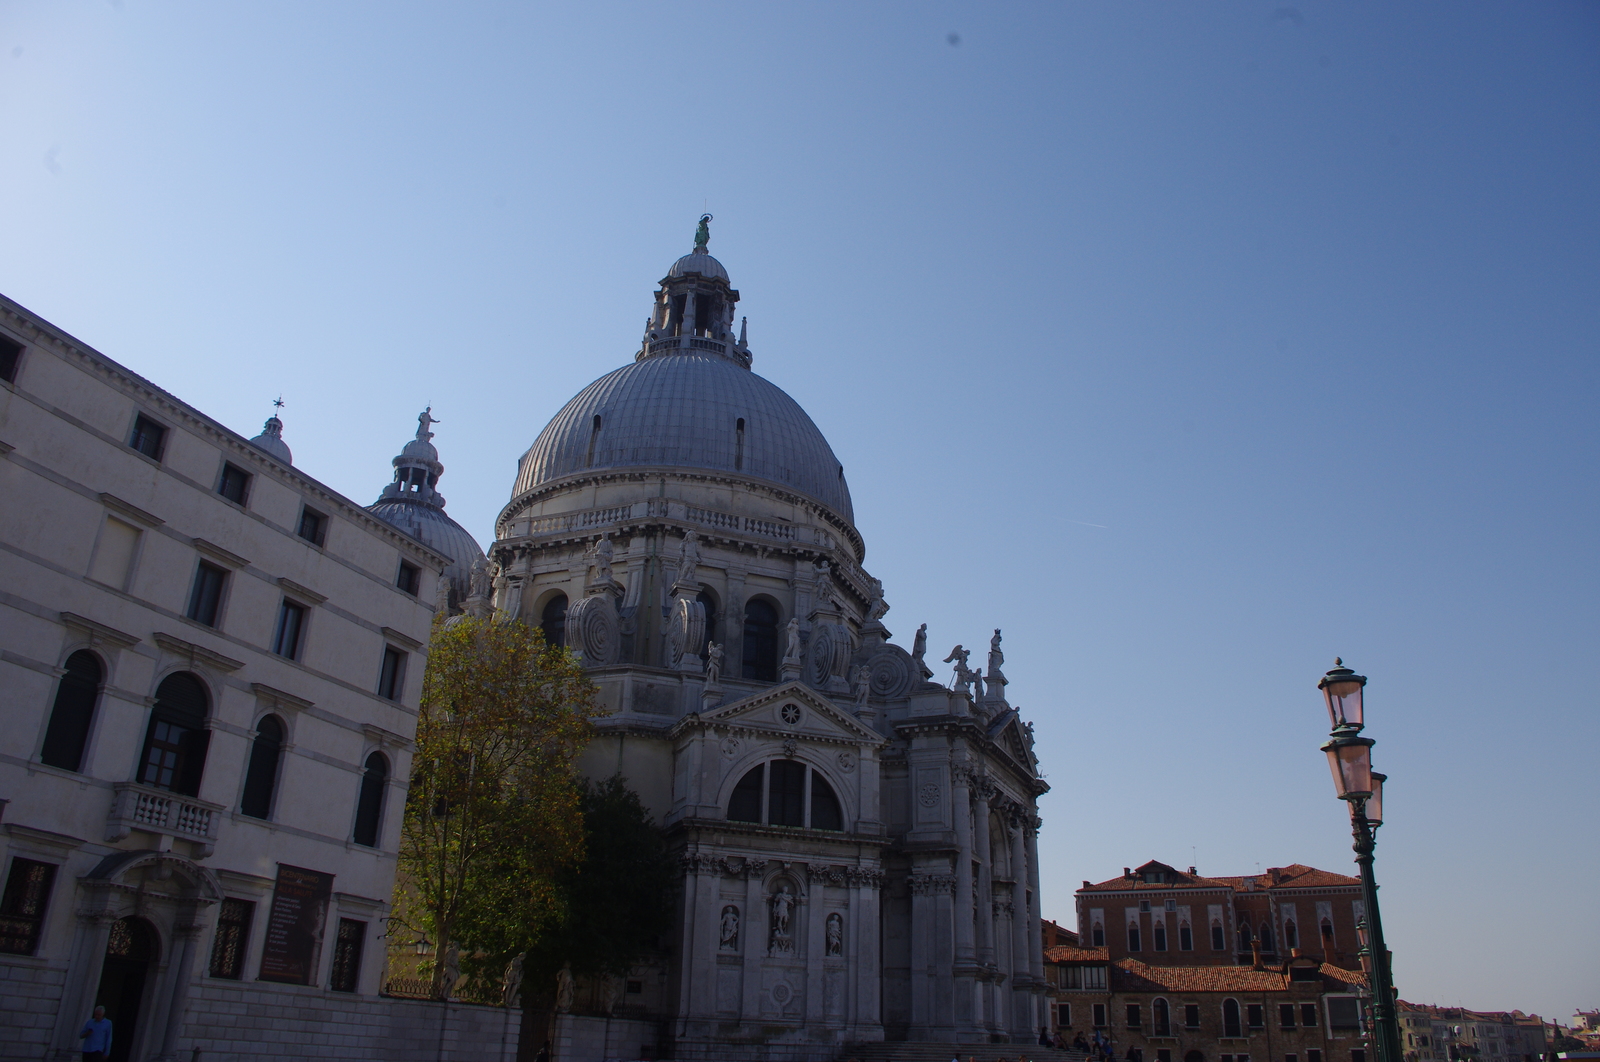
(683, 411)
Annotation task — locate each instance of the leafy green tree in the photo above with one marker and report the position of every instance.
(493, 816)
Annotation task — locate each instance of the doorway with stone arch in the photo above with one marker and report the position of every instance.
(131, 954)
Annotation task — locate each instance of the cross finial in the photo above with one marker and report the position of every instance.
(277, 403)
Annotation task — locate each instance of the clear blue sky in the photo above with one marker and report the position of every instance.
(1190, 344)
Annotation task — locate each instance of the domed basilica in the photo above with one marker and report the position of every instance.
(858, 843)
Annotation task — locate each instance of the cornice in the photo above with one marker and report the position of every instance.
(99, 632)
(196, 653)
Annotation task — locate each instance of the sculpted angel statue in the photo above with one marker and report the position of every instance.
(860, 684)
(713, 663)
(689, 559)
(602, 553)
(963, 675)
(791, 652)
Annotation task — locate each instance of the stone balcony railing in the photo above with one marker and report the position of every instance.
(143, 807)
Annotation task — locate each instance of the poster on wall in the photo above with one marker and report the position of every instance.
(294, 928)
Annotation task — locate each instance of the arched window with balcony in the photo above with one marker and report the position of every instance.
(77, 693)
(175, 742)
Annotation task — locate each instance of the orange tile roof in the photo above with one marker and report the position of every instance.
(1339, 973)
(1067, 953)
(1293, 876)
(1131, 975)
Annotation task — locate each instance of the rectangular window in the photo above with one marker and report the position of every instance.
(410, 578)
(1099, 1015)
(1308, 1015)
(1133, 938)
(392, 678)
(1094, 979)
(291, 624)
(113, 554)
(1163, 1054)
(1185, 938)
(1224, 1058)
(1255, 1015)
(233, 935)
(1144, 906)
(786, 789)
(1191, 1015)
(206, 597)
(1133, 1016)
(1217, 943)
(347, 955)
(23, 905)
(235, 483)
(1358, 1054)
(1344, 1013)
(313, 526)
(10, 355)
(1314, 1055)
(1291, 1058)
(1286, 1015)
(1098, 937)
(635, 988)
(1171, 905)
(148, 437)
(1064, 1015)
(1161, 936)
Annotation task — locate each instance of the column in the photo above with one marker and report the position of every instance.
(753, 939)
(1019, 926)
(1035, 937)
(921, 949)
(88, 961)
(985, 1014)
(188, 936)
(866, 967)
(961, 808)
(816, 943)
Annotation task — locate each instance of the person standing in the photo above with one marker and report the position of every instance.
(96, 1036)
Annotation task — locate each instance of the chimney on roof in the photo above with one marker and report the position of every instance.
(1255, 955)
(1193, 871)
(1127, 872)
(1294, 953)
(1086, 883)
(1273, 874)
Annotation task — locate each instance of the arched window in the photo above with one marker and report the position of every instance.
(738, 444)
(553, 620)
(708, 601)
(1161, 1014)
(785, 793)
(760, 658)
(174, 755)
(262, 775)
(1230, 1018)
(1133, 936)
(594, 437)
(1159, 933)
(1243, 937)
(1327, 932)
(1185, 937)
(1097, 936)
(1265, 936)
(369, 807)
(1291, 935)
(1217, 941)
(73, 712)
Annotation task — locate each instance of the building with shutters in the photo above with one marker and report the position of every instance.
(211, 664)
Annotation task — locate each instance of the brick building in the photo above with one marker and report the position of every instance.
(1162, 916)
(1303, 1010)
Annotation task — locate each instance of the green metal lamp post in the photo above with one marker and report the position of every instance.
(1355, 782)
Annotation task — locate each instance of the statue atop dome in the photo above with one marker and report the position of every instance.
(702, 234)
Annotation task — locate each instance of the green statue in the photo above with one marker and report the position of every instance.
(702, 235)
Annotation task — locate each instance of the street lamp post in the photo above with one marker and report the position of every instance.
(1355, 782)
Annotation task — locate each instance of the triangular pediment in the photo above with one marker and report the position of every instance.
(1006, 732)
(791, 710)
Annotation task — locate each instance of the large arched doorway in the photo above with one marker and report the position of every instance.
(130, 954)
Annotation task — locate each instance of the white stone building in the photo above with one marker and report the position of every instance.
(211, 665)
(858, 843)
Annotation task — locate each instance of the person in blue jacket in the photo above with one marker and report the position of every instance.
(96, 1037)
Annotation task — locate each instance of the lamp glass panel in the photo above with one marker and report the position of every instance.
(1344, 703)
(1375, 801)
(1352, 769)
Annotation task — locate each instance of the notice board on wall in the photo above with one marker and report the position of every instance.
(294, 928)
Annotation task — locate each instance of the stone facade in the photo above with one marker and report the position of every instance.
(211, 668)
(858, 844)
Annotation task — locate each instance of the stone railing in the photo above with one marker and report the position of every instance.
(143, 807)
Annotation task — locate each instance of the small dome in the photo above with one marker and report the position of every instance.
(703, 264)
(421, 450)
(438, 532)
(271, 440)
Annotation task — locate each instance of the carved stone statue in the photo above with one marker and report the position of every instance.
(609, 994)
(860, 684)
(566, 990)
(602, 553)
(963, 675)
(702, 233)
(821, 585)
(479, 583)
(877, 608)
(426, 420)
(996, 658)
(689, 560)
(782, 906)
(730, 928)
(791, 651)
(713, 663)
(441, 597)
(450, 970)
(835, 935)
(919, 649)
(511, 990)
